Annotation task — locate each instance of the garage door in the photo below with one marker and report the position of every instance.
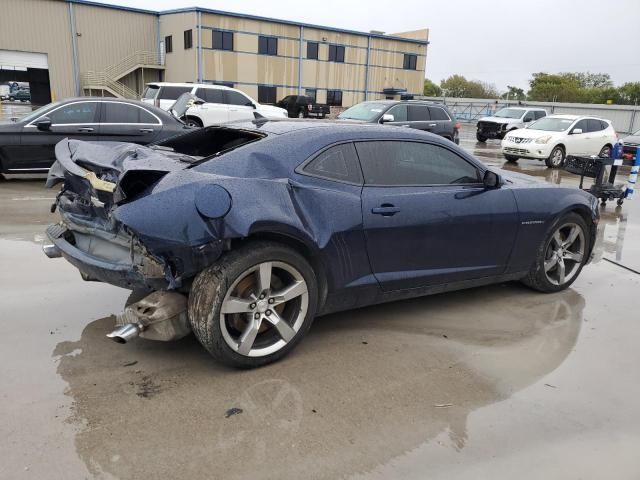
(27, 68)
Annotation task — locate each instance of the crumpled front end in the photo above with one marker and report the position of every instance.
(101, 184)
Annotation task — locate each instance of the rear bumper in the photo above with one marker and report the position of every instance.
(92, 268)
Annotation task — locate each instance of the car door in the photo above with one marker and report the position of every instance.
(77, 120)
(578, 143)
(597, 136)
(528, 117)
(215, 110)
(440, 123)
(428, 219)
(127, 122)
(241, 107)
(399, 113)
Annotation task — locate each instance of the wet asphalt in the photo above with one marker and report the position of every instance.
(494, 382)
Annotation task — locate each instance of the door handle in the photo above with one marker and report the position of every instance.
(146, 130)
(433, 124)
(85, 129)
(386, 210)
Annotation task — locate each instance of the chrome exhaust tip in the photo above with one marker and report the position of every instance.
(124, 333)
(51, 251)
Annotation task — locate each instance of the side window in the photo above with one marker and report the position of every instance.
(413, 163)
(115, 112)
(267, 45)
(312, 50)
(539, 114)
(222, 40)
(210, 95)
(334, 98)
(604, 125)
(410, 61)
(236, 98)
(311, 93)
(168, 44)
(583, 125)
(267, 94)
(188, 39)
(338, 163)
(399, 113)
(336, 53)
(172, 93)
(594, 125)
(528, 117)
(418, 113)
(437, 113)
(82, 112)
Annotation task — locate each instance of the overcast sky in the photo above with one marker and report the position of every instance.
(498, 41)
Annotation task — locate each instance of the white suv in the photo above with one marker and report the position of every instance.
(222, 104)
(554, 137)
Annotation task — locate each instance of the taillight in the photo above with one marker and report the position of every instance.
(457, 126)
(309, 107)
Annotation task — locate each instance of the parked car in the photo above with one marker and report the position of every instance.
(27, 146)
(21, 94)
(303, 106)
(554, 137)
(506, 120)
(630, 145)
(268, 224)
(5, 91)
(427, 116)
(222, 104)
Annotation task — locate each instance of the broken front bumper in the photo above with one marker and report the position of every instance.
(123, 269)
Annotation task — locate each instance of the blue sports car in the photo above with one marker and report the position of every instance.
(244, 233)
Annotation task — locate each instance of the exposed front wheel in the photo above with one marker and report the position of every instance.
(193, 122)
(254, 305)
(556, 158)
(561, 256)
(511, 158)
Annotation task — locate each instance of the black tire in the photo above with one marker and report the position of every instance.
(301, 113)
(537, 278)
(212, 284)
(605, 152)
(194, 122)
(556, 157)
(12, 99)
(481, 138)
(511, 158)
(620, 202)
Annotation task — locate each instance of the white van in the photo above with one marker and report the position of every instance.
(4, 92)
(222, 104)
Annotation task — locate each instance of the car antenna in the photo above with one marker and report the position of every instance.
(259, 120)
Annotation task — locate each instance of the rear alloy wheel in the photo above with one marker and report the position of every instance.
(605, 152)
(511, 158)
(561, 257)
(194, 122)
(254, 306)
(556, 157)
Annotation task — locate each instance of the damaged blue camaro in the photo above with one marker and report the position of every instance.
(246, 232)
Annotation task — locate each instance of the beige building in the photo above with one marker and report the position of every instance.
(76, 47)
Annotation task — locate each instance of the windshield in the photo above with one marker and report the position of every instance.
(509, 113)
(366, 111)
(151, 91)
(39, 112)
(550, 124)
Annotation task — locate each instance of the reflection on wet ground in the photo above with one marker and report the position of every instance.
(494, 382)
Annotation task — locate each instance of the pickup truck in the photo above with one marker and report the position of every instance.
(303, 106)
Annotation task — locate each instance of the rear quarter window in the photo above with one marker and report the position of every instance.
(338, 163)
(438, 113)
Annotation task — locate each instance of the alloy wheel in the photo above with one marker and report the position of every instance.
(564, 254)
(556, 158)
(264, 309)
(605, 152)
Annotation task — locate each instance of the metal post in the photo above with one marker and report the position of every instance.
(366, 69)
(199, 47)
(300, 41)
(74, 49)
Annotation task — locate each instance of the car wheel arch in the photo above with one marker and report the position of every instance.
(196, 119)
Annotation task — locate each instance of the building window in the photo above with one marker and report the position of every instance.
(267, 45)
(222, 40)
(224, 84)
(188, 39)
(336, 53)
(334, 98)
(267, 94)
(410, 61)
(168, 44)
(312, 93)
(312, 50)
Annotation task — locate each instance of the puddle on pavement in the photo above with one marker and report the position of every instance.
(363, 387)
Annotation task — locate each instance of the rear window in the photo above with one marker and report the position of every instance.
(172, 93)
(438, 113)
(209, 141)
(210, 95)
(151, 91)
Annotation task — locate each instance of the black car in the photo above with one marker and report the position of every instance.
(303, 106)
(27, 146)
(427, 116)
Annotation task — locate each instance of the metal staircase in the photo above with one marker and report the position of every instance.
(109, 80)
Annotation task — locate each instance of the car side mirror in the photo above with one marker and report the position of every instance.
(198, 101)
(491, 180)
(387, 117)
(251, 104)
(576, 131)
(44, 124)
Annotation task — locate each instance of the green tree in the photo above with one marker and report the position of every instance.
(630, 93)
(431, 89)
(459, 86)
(562, 87)
(594, 80)
(514, 93)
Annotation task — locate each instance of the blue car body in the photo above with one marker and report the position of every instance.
(171, 215)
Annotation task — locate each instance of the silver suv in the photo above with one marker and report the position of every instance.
(505, 120)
